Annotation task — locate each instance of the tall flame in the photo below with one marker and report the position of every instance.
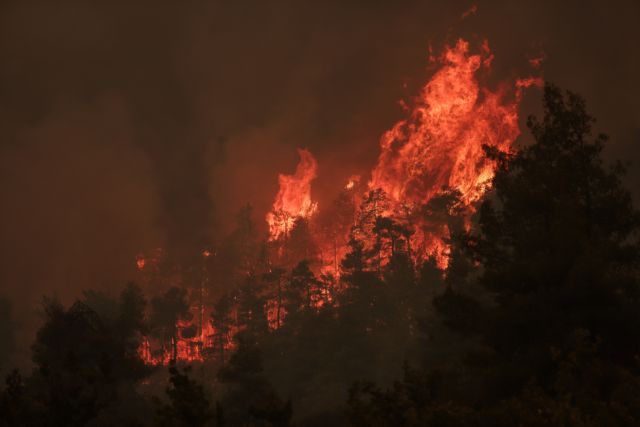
(294, 197)
(440, 144)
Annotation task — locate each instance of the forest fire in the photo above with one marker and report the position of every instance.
(185, 347)
(431, 166)
(355, 214)
(440, 146)
(437, 150)
(294, 197)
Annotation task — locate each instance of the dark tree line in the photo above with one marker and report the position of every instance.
(535, 321)
(549, 312)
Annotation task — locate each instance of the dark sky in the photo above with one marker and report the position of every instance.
(126, 125)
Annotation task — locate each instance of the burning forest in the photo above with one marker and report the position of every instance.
(467, 255)
(431, 172)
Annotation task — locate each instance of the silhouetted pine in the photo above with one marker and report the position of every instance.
(166, 310)
(543, 296)
(188, 404)
(249, 399)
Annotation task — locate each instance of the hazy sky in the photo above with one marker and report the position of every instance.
(126, 125)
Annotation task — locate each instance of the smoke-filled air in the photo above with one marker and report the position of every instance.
(278, 214)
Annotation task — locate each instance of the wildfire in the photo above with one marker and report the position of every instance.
(440, 144)
(188, 348)
(294, 197)
(355, 179)
(436, 153)
(439, 147)
(140, 262)
(146, 261)
(471, 11)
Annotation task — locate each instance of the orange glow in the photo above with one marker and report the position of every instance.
(440, 144)
(149, 261)
(353, 180)
(471, 11)
(536, 61)
(188, 347)
(294, 197)
(528, 82)
(140, 262)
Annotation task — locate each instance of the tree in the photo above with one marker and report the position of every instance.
(335, 223)
(188, 404)
(104, 305)
(250, 398)
(300, 245)
(275, 277)
(355, 261)
(547, 328)
(221, 320)
(15, 407)
(7, 335)
(414, 401)
(252, 317)
(82, 368)
(166, 310)
(302, 289)
(373, 206)
(558, 248)
(131, 323)
(241, 251)
(445, 215)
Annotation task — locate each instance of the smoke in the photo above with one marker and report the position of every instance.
(125, 126)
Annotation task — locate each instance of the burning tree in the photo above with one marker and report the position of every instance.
(553, 315)
(166, 311)
(294, 197)
(435, 152)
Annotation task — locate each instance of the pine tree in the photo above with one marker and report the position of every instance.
(252, 317)
(221, 320)
(166, 310)
(302, 289)
(250, 399)
(131, 323)
(188, 405)
(558, 249)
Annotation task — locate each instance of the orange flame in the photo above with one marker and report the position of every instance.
(294, 197)
(191, 348)
(471, 11)
(140, 262)
(440, 144)
(353, 180)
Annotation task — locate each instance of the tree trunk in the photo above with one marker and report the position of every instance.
(279, 303)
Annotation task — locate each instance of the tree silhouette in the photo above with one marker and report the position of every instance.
(188, 404)
(7, 334)
(542, 296)
(250, 399)
(166, 310)
(221, 320)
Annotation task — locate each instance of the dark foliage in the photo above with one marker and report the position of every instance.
(544, 294)
(535, 322)
(188, 404)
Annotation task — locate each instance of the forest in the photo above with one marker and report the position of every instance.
(533, 320)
